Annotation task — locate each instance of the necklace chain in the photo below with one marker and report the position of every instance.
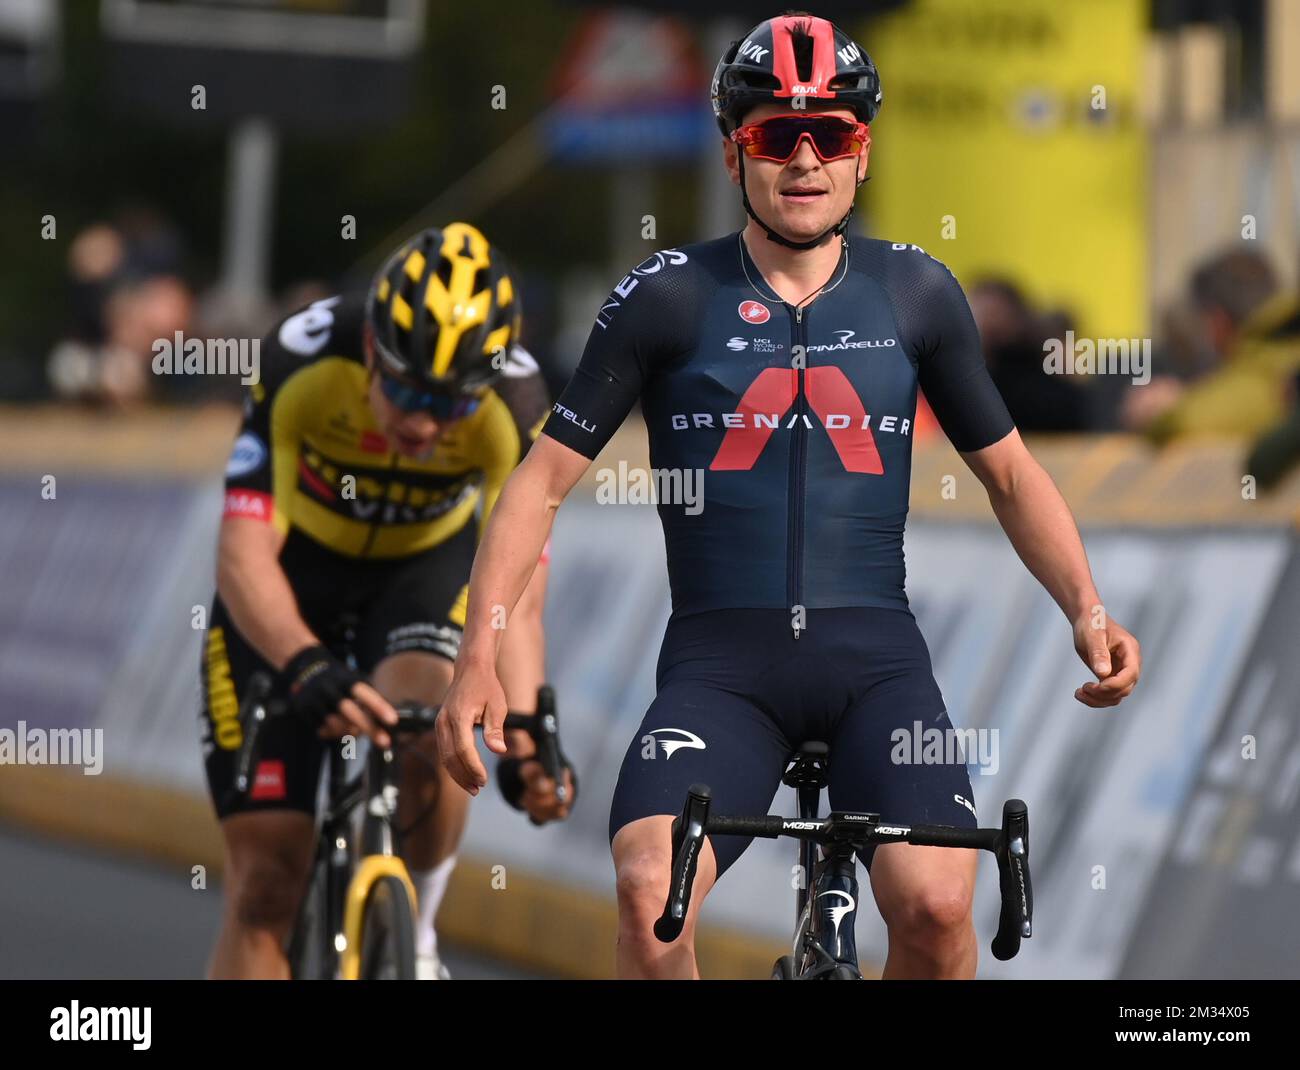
(828, 285)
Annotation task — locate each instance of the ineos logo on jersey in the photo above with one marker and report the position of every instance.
(672, 746)
(754, 312)
(658, 259)
(737, 344)
(846, 342)
(837, 913)
(651, 265)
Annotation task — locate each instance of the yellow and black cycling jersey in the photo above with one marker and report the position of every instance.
(310, 455)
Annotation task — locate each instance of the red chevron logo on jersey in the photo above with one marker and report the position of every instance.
(829, 393)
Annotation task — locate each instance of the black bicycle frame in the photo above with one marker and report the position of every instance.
(375, 787)
(826, 898)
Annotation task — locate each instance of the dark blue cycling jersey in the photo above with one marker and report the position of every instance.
(800, 419)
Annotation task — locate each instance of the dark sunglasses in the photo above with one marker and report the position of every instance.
(777, 138)
(438, 404)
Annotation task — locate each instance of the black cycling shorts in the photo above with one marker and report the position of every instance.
(738, 694)
(389, 607)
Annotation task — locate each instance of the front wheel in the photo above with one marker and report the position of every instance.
(388, 932)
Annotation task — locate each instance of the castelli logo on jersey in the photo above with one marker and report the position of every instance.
(754, 312)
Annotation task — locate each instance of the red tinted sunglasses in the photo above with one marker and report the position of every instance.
(777, 138)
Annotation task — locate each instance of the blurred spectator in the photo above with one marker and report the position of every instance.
(1227, 367)
(1277, 452)
(1012, 336)
(126, 292)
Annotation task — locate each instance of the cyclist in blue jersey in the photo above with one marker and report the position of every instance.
(784, 362)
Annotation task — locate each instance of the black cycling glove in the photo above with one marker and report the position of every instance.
(511, 781)
(316, 682)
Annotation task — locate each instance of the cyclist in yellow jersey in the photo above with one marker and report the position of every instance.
(382, 426)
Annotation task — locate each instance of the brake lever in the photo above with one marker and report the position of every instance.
(1017, 914)
(687, 839)
(251, 717)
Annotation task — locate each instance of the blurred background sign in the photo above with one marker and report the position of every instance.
(336, 66)
(322, 64)
(629, 87)
(29, 64)
(1034, 105)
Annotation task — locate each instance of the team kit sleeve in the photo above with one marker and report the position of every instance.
(255, 470)
(636, 327)
(262, 468)
(950, 360)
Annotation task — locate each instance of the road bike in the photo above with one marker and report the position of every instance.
(824, 947)
(357, 918)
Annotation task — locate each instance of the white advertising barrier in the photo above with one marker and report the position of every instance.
(98, 629)
(1105, 787)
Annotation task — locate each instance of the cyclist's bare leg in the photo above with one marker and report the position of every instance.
(268, 859)
(642, 864)
(424, 678)
(925, 895)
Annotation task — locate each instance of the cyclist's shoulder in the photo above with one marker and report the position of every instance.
(325, 330)
(916, 282)
(898, 261)
(670, 288)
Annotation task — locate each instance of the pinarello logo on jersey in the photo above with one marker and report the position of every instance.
(754, 312)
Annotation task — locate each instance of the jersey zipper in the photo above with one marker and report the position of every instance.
(798, 474)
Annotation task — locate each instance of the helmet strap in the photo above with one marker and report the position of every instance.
(781, 239)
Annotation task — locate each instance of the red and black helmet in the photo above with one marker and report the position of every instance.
(794, 56)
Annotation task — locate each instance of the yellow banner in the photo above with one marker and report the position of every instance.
(1009, 143)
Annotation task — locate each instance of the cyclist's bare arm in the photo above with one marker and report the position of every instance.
(521, 668)
(257, 594)
(256, 591)
(1041, 528)
(507, 557)
(521, 662)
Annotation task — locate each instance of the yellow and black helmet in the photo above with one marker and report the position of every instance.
(442, 308)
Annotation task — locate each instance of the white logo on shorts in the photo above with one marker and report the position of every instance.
(671, 746)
